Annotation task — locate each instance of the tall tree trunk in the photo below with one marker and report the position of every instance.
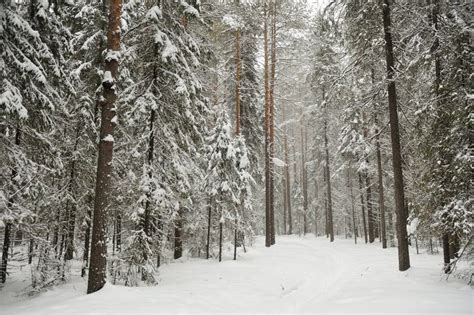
(151, 147)
(402, 215)
(268, 232)
(87, 241)
(315, 206)
(6, 247)
(287, 189)
(328, 178)
(30, 251)
(209, 221)
(118, 236)
(272, 122)
(178, 235)
(370, 213)
(295, 172)
(354, 227)
(362, 204)
(383, 232)
(303, 180)
(326, 225)
(447, 250)
(237, 118)
(220, 239)
(97, 270)
(368, 189)
(98, 97)
(8, 224)
(72, 210)
(285, 206)
(221, 227)
(57, 224)
(446, 253)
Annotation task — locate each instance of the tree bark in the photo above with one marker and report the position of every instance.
(237, 117)
(8, 224)
(220, 240)
(287, 188)
(315, 206)
(446, 253)
(285, 206)
(98, 262)
(209, 216)
(272, 122)
(303, 180)
(72, 210)
(364, 222)
(87, 240)
(370, 214)
(383, 231)
(178, 235)
(151, 147)
(328, 178)
(268, 232)
(402, 215)
(368, 189)
(354, 228)
(6, 247)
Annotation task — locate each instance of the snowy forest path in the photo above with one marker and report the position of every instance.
(297, 275)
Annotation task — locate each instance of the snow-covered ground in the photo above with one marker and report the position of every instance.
(298, 275)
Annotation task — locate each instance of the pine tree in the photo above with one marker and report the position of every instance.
(403, 254)
(97, 270)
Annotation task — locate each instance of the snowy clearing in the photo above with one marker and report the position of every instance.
(298, 275)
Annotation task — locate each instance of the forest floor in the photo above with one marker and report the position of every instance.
(298, 275)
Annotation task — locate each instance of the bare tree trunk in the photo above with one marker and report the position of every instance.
(268, 228)
(315, 206)
(328, 178)
(402, 215)
(285, 206)
(446, 255)
(383, 233)
(368, 189)
(87, 241)
(72, 212)
(151, 144)
(209, 221)
(151, 148)
(287, 189)
(220, 241)
(237, 115)
(118, 235)
(221, 226)
(30, 251)
(326, 225)
(57, 223)
(97, 270)
(303, 180)
(370, 214)
(6, 247)
(446, 245)
(364, 224)
(354, 227)
(8, 224)
(272, 122)
(178, 235)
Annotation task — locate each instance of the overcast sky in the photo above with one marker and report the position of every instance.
(318, 4)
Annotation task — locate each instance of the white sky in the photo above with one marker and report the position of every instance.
(317, 4)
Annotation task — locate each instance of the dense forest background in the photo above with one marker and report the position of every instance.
(134, 131)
